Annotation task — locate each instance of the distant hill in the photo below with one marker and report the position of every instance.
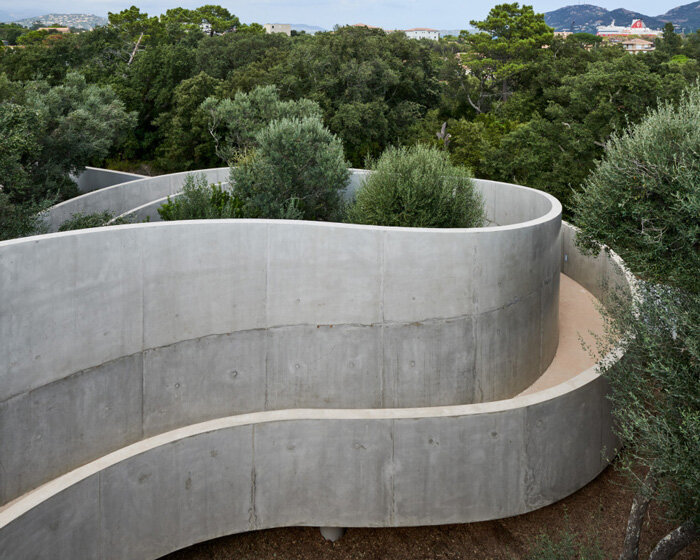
(587, 17)
(81, 21)
(685, 18)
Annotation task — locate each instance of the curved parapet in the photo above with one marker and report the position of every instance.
(171, 383)
(94, 178)
(121, 197)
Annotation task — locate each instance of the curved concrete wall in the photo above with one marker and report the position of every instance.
(377, 467)
(369, 468)
(95, 178)
(120, 198)
(115, 334)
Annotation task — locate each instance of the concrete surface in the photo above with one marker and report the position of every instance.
(119, 198)
(203, 319)
(95, 178)
(209, 327)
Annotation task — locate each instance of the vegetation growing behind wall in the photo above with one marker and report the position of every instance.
(520, 105)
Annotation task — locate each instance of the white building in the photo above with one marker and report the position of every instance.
(422, 33)
(285, 28)
(636, 45)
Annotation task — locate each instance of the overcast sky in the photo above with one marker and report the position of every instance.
(445, 14)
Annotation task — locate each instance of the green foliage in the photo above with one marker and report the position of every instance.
(643, 198)
(567, 546)
(297, 163)
(417, 187)
(655, 391)
(10, 32)
(187, 143)
(235, 123)
(201, 201)
(509, 36)
(556, 150)
(219, 18)
(85, 221)
(20, 220)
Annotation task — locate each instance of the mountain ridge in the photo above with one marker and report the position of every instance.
(585, 18)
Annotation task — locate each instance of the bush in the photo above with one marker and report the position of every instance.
(417, 187)
(201, 201)
(643, 198)
(298, 170)
(86, 221)
(20, 220)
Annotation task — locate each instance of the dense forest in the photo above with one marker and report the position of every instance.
(520, 104)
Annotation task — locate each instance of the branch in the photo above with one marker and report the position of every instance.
(136, 48)
(640, 504)
(675, 541)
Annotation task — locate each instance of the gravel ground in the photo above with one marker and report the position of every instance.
(598, 511)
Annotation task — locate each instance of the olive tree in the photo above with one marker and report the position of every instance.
(417, 187)
(297, 170)
(643, 201)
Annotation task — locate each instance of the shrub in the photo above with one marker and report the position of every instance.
(85, 221)
(417, 187)
(298, 170)
(643, 198)
(19, 220)
(201, 201)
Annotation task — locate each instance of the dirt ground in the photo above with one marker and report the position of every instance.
(598, 511)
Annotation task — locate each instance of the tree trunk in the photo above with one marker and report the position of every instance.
(640, 504)
(675, 541)
(136, 48)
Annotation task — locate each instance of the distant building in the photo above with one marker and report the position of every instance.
(205, 26)
(563, 34)
(285, 28)
(635, 46)
(366, 25)
(422, 33)
(55, 29)
(637, 28)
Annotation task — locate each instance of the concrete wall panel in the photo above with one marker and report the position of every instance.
(323, 274)
(203, 378)
(177, 494)
(322, 366)
(90, 413)
(307, 315)
(323, 473)
(69, 302)
(459, 469)
(203, 280)
(432, 361)
(64, 525)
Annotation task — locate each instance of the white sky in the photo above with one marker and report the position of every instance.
(447, 14)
